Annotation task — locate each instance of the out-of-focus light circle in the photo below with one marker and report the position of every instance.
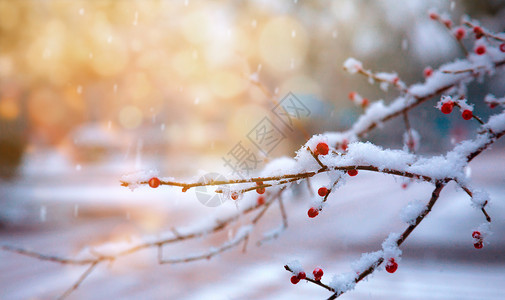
(344, 10)
(226, 84)
(184, 63)
(138, 85)
(110, 54)
(197, 27)
(46, 111)
(279, 48)
(300, 84)
(130, 117)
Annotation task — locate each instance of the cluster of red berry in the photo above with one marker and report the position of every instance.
(460, 33)
(296, 278)
(318, 274)
(260, 190)
(323, 149)
(356, 98)
(449, 105)
(479, 240)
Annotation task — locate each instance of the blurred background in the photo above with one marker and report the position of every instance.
(88, 79)
(92, 90)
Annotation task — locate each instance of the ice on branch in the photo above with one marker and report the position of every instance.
(413, 210)
(411, 140)
(464, 105)
(496, 123)
(358, 100)
(368, 154)
(352, 65)
(390, 247)
(480, 198)
(135, 180)
(343, 282)
(281, 166)
(366, 260)
(375, 113)
(485, 230)
(386, 79)
(493, 102)
(444, 100)
(295, 266)
(451, 73)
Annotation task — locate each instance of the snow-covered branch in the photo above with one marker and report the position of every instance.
(342, 155)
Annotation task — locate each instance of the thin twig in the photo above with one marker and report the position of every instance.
(434, 197)
(318, 282)
(79, 281)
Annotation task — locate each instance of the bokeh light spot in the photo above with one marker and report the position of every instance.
(130, 117)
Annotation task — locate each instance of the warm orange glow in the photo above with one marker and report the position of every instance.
(283, 44)
(9, 109)
(130, 117)
(147, 63)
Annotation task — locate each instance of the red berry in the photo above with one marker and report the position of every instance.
(447, 107)
(478, 32)
(260, 190)
(480, 50)
(502, 47)
(322, 191)
(261, 200)
(345, 143)
(352, 95)
(476, 235)
(302, 275)
(448, 23)
(294, 279)
(234, 196)
(434, 16)
(428, 71)
(391, 266)
(318, 274)
(460, 33)
(322, 148)
(313, 212)
(364, 103)
(478, 245)
(467, 114)
(154, 182)
(404, 185)
(352, 172)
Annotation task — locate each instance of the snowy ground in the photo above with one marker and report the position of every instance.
(63, 211)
